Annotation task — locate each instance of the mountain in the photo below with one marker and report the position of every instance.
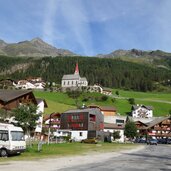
(34, 48)
(155, 58)
(136, 54)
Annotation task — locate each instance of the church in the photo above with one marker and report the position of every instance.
(74, 81)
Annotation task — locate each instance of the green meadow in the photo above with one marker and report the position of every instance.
(60, 102)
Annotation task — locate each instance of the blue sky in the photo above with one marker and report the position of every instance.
(89, 27)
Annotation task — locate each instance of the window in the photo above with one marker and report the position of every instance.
(64, 82)
(17, 136)
(80, 124)
(4, 135)
(75, 117)
(119, 121)
(81, 134)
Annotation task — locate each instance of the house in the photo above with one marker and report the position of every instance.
(106, 110)
(30, 84)
(113, 127)
(160, 127)
(107, 91)
(10, 99)
(157, 127)
(24, 84)
(52, 121)
(41, 105)
(7, 83)
(73, 81)
(142, 111)
(83, 123)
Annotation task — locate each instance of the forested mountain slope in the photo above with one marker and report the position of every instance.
(107, 72)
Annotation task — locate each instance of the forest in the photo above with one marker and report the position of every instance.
(113, 73)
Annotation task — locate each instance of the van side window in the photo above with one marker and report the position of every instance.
(4, 135)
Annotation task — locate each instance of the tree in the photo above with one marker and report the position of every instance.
(116, 135)
(170, 111)
(117, 92)
(131, 101)
(26, 117)
(130, 130)
(5, 115)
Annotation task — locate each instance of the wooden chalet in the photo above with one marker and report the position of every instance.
(159, 127)
(10, 99)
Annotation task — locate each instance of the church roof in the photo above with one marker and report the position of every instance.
(83, 79)
(71, 77)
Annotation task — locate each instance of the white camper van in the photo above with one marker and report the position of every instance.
(11, 140)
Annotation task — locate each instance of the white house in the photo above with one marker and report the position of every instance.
(28, 84)
(111, 128)
(74, 80)
(142, 111)
(41, 104)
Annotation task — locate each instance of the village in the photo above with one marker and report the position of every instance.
(93, 122)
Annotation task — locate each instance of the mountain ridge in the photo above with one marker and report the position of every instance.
(33, 48)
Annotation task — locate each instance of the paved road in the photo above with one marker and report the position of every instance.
(152, 158)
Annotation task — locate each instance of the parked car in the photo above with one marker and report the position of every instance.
(90, 141)
(162, 141)
(168, 141)
(139, 140)
(152, 142)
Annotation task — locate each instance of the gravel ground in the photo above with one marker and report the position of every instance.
(61, 162)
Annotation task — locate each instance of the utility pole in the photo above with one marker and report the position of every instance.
(49, 132)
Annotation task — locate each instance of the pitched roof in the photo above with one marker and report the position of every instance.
(113, 126)
(71, 77)
(83, 79)
(134, 107)
(157, 120)
(52, 115)
(143, 120)
(108, 108)
(40, 100)
(89, 110)
(8, 95)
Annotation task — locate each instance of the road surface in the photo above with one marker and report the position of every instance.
(146, 158)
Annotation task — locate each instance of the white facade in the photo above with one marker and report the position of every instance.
(61, 133)
(69, 81)
(79, 135)
(142, 111)
(40, 110)
(74, 80)
(24, 84)
(121, 133)
(117, 119)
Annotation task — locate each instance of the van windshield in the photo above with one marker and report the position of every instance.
(17, 136)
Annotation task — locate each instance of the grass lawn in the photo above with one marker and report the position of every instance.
(66, 149)
(144, 95)
(60, 102)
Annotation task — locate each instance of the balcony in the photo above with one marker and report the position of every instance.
(162, 128)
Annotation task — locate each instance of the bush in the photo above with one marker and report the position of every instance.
(104, 98)
(131, 101)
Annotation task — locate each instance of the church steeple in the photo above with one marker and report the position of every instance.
(76, 69)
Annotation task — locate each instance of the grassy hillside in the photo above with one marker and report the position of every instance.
(60, 102)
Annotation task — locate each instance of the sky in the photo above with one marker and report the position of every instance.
(89, 27)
